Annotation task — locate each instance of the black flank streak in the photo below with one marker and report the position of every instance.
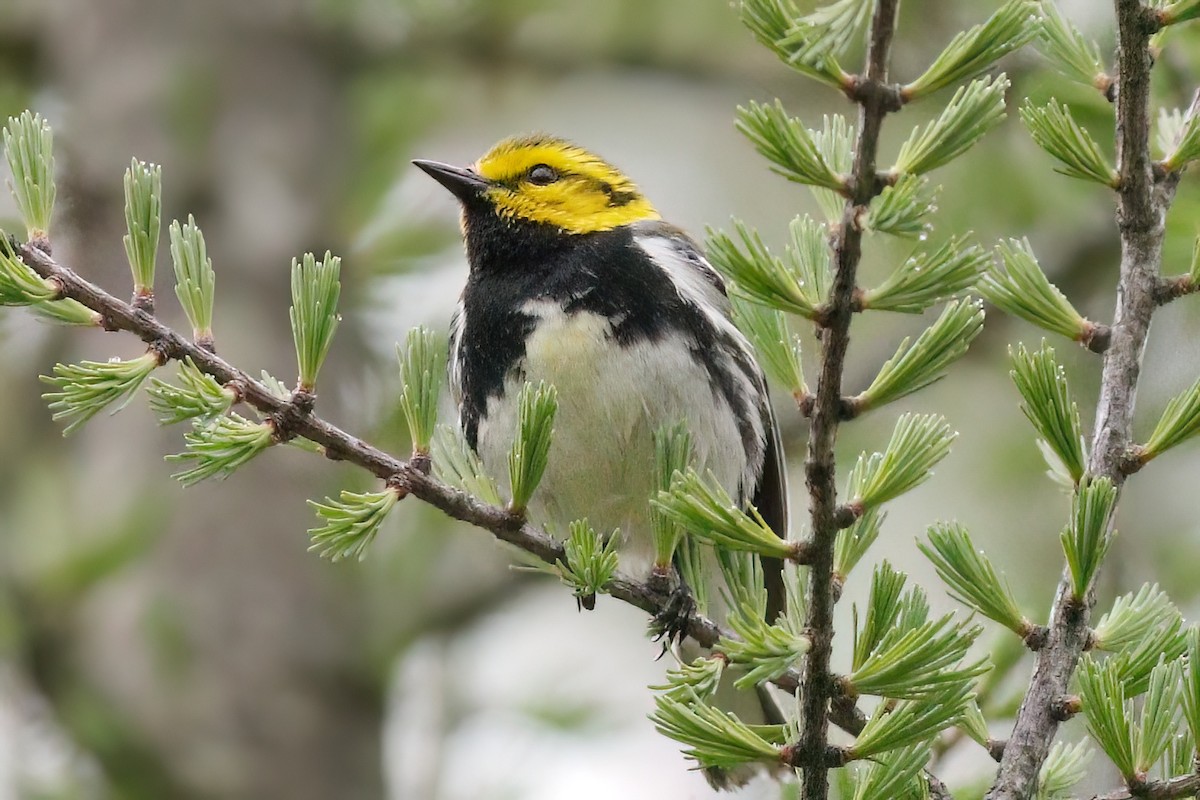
(492, 345)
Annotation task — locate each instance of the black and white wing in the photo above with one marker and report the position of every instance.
(771, 500)
(698, 283)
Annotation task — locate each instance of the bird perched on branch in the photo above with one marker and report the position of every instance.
(575, 280)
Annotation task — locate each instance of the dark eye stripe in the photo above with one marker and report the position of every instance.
(616, 197)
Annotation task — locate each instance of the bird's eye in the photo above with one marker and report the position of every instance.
(542, 175)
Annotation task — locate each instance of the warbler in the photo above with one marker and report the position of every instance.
(576, 280)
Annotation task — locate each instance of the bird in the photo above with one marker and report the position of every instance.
(576, 280)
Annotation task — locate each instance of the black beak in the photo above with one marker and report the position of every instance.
(463, 183)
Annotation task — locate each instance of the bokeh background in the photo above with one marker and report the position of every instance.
(163, 643)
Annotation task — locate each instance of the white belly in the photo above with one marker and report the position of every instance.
(611, 400)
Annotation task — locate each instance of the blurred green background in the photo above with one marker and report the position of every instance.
(162, 643)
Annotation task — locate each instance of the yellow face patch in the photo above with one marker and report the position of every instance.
(551, 181)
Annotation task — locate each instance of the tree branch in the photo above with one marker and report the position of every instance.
(1141, 210)
(1183, 786)
(1173, 288)
(411, 476)
(875, 99)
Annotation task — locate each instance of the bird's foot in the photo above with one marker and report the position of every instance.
(670, 625)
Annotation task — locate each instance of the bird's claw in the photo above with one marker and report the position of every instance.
(670, 625)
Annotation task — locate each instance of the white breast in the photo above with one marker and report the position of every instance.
(612, 399)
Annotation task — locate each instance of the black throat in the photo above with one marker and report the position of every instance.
(516, 263)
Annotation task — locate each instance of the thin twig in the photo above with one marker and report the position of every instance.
(845, 713)
(937, 789)
(875, 98)
(1141, 209)
(342, 446)
(1183, 786)
(410, 476)
(1173, 288)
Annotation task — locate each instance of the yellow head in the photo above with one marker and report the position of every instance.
(547, 180)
